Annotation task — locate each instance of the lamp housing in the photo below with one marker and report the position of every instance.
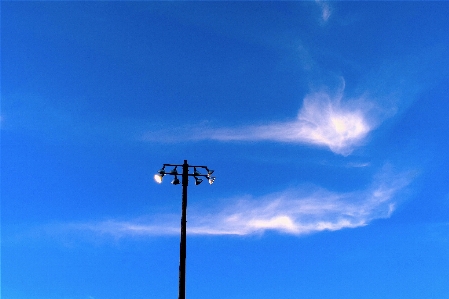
(175, 181)
(158, 178)
(174, 171)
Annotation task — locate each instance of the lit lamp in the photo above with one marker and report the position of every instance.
(185, 181)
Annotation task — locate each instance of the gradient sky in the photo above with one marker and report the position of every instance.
(326, 124)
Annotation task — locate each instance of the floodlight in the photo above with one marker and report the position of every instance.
(198, 181)
(195, 172)
(175, 181)
(209, 172)
(158, 178)
(211, 180)
(174, 171)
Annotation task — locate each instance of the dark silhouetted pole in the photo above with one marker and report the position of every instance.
(185, 182)
(182, 248)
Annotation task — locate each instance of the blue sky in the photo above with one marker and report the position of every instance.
(325, 122)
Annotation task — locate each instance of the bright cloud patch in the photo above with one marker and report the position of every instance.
(321, 121)
(293, 211)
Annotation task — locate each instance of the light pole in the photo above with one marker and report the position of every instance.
(185, 182)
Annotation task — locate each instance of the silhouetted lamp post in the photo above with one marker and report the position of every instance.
(185, 181)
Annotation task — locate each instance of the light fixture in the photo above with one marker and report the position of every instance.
(160, 174)
(198, 181)
(158, 178)
(196, 172)
(211, 180)
(174, 171)
(209, 172)
(175, 180)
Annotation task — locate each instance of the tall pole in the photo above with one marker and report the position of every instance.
(185, 182)
(182, 249)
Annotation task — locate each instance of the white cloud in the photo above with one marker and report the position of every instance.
(295, 211)
(325, 10)
(323, 120)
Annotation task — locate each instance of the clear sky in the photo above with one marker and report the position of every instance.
(326, 124)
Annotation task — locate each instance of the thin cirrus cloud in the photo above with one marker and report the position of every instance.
(323, 121)
(325, 10)
(295, 211)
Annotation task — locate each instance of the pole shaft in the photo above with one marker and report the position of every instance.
(182, 245)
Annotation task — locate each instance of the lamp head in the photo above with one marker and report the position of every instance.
(196, 172)
(198, 181)
(174, 171)
(211, 180)
(158, 178)
(175, 181)
(160, 174)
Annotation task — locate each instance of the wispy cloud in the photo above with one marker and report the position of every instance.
(323, 120)
(325, 10)
(295, 211)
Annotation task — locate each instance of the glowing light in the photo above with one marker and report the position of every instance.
(158, 178)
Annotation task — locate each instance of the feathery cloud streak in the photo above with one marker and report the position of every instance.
(325, 10)
(322, 121)
(294, 211)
